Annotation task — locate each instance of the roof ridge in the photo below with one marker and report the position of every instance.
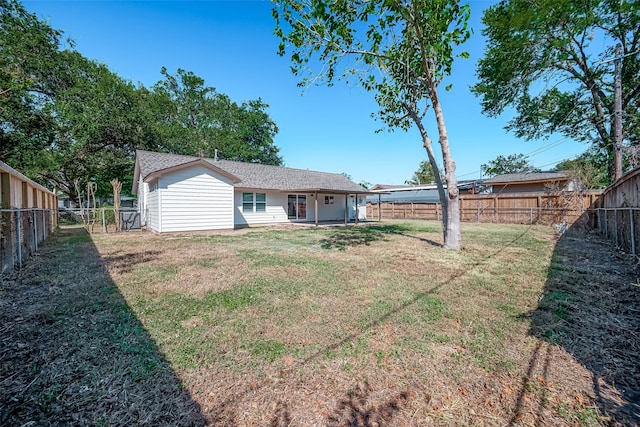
(274, 166)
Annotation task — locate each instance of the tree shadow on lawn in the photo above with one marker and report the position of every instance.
(591, 307)
(365, 235)
(356, 408)
(72, 351)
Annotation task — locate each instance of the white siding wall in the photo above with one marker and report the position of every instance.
(143, 198)
(195, 198)
(276, 211)
(334, 212)
(152, 208)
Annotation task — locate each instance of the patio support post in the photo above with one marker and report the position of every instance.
(315, 203)
(379, 207)
(356, 220)
(346, 208)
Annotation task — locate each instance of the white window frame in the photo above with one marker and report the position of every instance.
(255, 203)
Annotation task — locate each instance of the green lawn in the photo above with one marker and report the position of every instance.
(314, 326)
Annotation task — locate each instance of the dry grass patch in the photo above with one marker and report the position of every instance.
(330, 326)
(357, 326)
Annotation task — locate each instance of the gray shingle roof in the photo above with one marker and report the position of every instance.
(253, 175)
(527, 177)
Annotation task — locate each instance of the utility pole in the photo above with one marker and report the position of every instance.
(618, 113)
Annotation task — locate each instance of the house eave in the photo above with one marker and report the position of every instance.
(326, 191)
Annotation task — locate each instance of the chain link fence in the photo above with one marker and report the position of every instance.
(21, 231)
(101, 220)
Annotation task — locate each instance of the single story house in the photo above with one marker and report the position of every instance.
(186, 193)
(532, 182)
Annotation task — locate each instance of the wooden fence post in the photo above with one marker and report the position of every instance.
(615, 217)
(18, 239)
(531, 216)
(5, 203)
(633, 239)
(35, 228)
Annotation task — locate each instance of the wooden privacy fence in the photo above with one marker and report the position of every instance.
(619, 212)
(521, 208)
(27, 217)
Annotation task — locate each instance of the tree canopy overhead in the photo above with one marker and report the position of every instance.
(191, 118)
(399, 50)
(65, 117)
(553, 61)
(28, 81)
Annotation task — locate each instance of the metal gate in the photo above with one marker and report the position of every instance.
(129, 220)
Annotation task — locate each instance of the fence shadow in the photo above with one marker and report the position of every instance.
(72, 351)
(590, 307)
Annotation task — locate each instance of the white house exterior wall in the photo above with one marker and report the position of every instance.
(193, 199)
(332, 211)
(152, 206)
(275, 209)
(143, 199)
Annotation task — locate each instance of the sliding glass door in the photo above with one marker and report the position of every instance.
(297, 206)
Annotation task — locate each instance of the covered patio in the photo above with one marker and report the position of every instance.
(339, 194)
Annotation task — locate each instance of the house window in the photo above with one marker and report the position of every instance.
(261, 202)
(254, 202)
(297, 206)
(328, 200)
(247, 202)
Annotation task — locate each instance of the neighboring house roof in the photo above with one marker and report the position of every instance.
(527, 178)
(389, 186)
(248, 175)
(416, 195)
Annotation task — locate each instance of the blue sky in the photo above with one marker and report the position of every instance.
(230, 44)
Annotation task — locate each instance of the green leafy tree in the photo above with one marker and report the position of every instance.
(100, 122)
(424, 174)
(589, 168)
(194, 119)
(551, 60)
(30, 74)
(513, 163)
(63, 117)
(399, 50)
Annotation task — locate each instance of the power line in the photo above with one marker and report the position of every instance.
(531, 154)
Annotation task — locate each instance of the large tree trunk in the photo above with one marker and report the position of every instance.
(452, 236)
(449, 198)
